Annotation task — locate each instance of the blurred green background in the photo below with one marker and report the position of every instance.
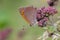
(9, 13)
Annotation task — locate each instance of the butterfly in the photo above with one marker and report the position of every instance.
(29, 14)
(37, 15)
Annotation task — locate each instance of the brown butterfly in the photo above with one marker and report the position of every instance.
(29, 14)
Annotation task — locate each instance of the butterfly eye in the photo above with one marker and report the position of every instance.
(22, 12)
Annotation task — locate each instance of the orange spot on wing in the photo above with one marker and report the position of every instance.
(22, 13)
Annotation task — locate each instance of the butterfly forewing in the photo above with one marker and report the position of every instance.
(29, 14)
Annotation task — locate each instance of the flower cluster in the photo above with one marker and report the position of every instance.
(43, 14)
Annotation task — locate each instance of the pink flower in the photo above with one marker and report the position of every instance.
(50, 10)
(52, 2)
(44, 13)
(45, 19)
(38, 15)
(4, 34)
(40, 23)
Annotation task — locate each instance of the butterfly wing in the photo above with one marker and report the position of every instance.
(29, 14)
